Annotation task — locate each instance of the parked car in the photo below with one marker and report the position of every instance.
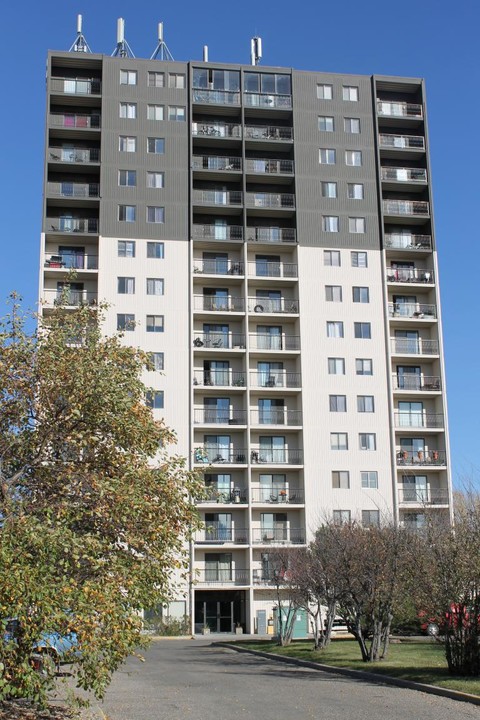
(55, 646)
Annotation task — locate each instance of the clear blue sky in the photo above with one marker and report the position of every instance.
(419, 38)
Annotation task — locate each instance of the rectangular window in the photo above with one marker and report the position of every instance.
(154, 399)
(336, 366)
(329, 189)
(327, 156)
(351, 125)
(340, 479)
(371, 518)
(156, 360)
(126, 248)
(365, 403)
(341, 517)
(330, 223)
(324, 92)
(176, 113)
(350, 93)
(126, 285)
(359, 259)
(156, 145)
(155, 286)
(355, 191)
(353, 158)
(356, 224)
(337, 403)
(333, 293)
(364, 366)
(128, 110)
(125, 322)
(154, 112)
(155, 323)
(331, 258)
(334, 329)
(361, 295)
(127, 178)
(176, 80)
(155, 214)
(369, 480)
(367, 441)
(338, 441)
(127, 213)
(326, 123)
(155, 179)
(363, 330)
(155, 250)
(156, 79)
(127, 144)
(128, 77)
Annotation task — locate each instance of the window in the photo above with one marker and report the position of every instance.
(128, 77)
(361, 295)
(367, 441)
(155, 214)
(157, 360)
(334, 329)
(155, 323)
(365, 403)
(155, 179)
(337, 403)
(336, 366)
(371, 518)
(126, 248)
(340, 479)
(326, 123)
(338, 441)
(356, 224)
(331, 258)
(341, 517)
(353, 157)
(154, 112)
(364, 366)
(330, 223)
(154, 399)
(350, 92)
(128, 110)
(155, 286)
(329, 189)
(126, 285)
(127, 178)
(324, 92)
(176, 112)
(125, 322)
(156, 79)
(359, 259)
(333, 293)
(351, 125)
(355, 191)
(155, 250)
(327, 156)
(369, 479)
(176, 80)
(127, 144)
(362, 330)
(127, 213)
(156, 145)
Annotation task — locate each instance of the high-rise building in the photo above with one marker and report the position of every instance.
(267, 234)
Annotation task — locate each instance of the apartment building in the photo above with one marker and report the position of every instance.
(267, 234)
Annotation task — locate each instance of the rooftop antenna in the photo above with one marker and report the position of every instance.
(80, 44)
(161, 51)
(123, 49)
(256, 50)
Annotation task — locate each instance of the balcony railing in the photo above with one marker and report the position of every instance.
(399, 109)
(217, 130)
(214, 416)
(265, 269)
(278, 535)
(217, 233)
(418, 420)
(74, 298)
(218, 267)
(71, 224)
(221, 576)
(211, 162)
(410, 275)
(219, 378)
(217, 197)
(275, 379)
(216, 97)
(216, 340)
(421, 457)
(219, 455)
(269, 167)
(414, 346)
(270, 200)
(211, 303)
(412, 310)
(415, 175)
(276, 416)
(261, 341)
(271, 235)
(74, 155)
(416, 382)
(71, 262)
(215, 495)
(408, 242)
(280, 305)
(276, 456)
(277, 495)
(214, 532)
(402, 142)
(268, 101)
(76, 86)
(423, 496)
(75, 120)
(268, 132)
(406, 207)
(73, 189)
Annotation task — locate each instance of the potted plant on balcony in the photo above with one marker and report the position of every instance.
(283, 495)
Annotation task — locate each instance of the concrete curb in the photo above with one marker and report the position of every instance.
(358, 674)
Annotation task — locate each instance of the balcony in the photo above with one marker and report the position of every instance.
(419, 420)
(399, 109)
(415, 311)
(271, 235)
(73, 190)
(278, 535)
(410, 275)
(219, 378)
(276, 416)
(280, 379)
(266, 342)
(75, 120)
(219, 455)
(217, 267)
(408, 242)
(212, 303)
(276, 456)
(69, 298)
(214, 416)
(218, 197)
(76, 86)
(273, 306)
(414, 346)
(406, 207)
(216, 97)
(277, 495)
(219, 534)
(269, 167)
(275, 270)
(215, 576)
(217, 340)
(410, 175)
(218, 130)
(263, 100)
(268, 132)
(417, 383)
(74, 155)
(421, 457)
(283, 201)
(71, 262)
(215, 495)
(402, 142)
(219, 163)
(218, 233)
(423, 496)
(72, 225)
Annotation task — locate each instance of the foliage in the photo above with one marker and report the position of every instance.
(94, 507)
(168, 626)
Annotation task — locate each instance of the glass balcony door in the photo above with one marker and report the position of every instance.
(272, 449)
(215, 299)
(408, 377)
(270, 337)
(410, 414)
(415, 488)
(270, 374)
(72, 257)
(218, 567)
(216, 372)
(218, 447)
(218, 526)
(271, 411)
(216, 410)
(215, 263)
(216, 335)
(271, 487)
(267, 265)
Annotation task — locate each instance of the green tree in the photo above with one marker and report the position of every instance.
(95, 508)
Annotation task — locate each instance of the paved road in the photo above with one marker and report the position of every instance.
(191, 680)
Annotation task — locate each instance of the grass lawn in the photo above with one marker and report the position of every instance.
(421, 662)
